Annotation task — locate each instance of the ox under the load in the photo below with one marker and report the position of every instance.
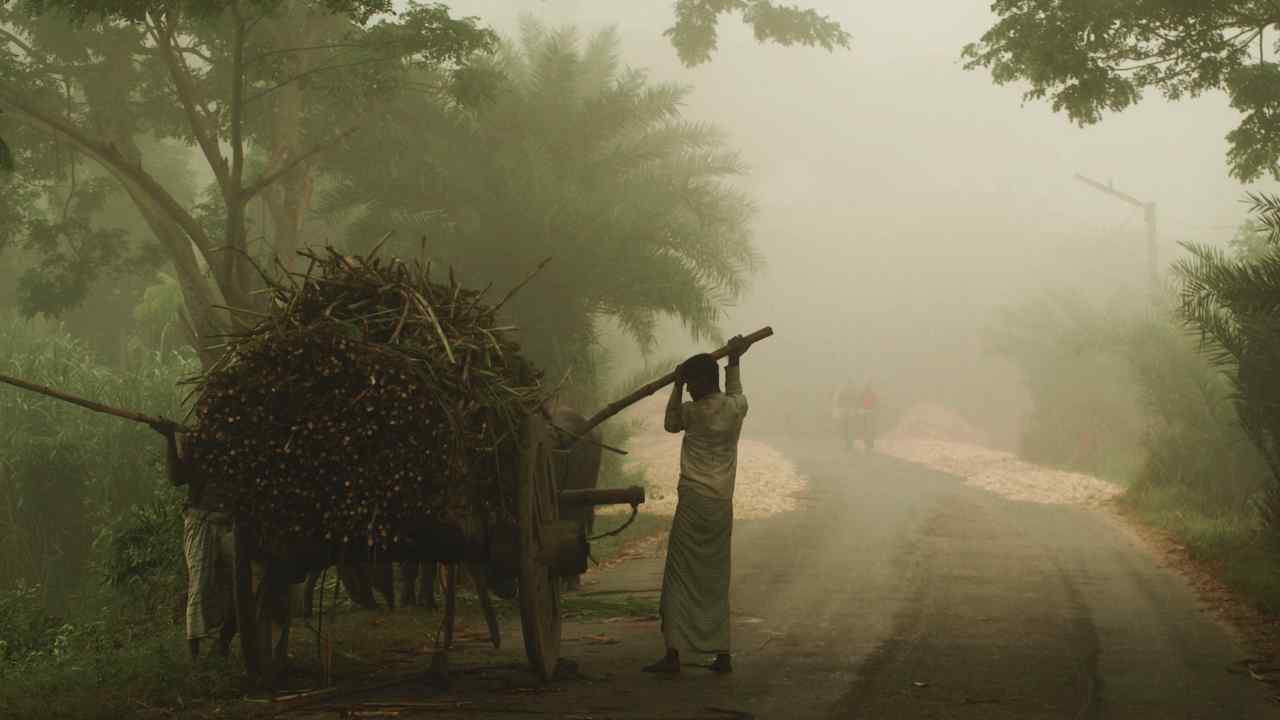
(365, 401)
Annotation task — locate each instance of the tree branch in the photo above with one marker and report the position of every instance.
(304, 48)
(323, 68)
(267, 180)
(185, 86)
(19, 42)
(107, 156)
(237, 98)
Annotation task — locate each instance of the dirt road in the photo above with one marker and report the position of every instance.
(892, 592)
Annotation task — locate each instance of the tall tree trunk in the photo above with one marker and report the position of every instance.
(290, 198)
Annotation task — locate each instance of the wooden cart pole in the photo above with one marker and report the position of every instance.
(91, 405)
(645, 391)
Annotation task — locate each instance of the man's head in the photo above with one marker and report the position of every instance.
(702, 374)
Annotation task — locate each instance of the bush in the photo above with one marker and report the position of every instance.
(66, 473)
(1193, 440)
(144, 556)
(25, 627)
(1233, 301)
(1085, 413)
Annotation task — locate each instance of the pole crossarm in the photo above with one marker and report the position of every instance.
(1112, 191)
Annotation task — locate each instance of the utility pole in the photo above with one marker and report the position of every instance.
(1148, 217)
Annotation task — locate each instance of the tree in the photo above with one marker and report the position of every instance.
(226, 76)
(1088, 58)
(694, 33)
(1233, 301)
(274, 85)
(574, 158)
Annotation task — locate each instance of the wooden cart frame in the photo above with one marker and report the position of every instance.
(543, 549)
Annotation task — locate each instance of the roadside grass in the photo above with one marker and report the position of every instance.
(596, 607)
(1228, 539)
(122, 677)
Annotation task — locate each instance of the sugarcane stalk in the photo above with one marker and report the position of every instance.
(91, 405)
(648, 389)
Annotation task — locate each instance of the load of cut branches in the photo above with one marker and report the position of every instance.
(366, 402)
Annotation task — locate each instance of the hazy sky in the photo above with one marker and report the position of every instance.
(901, 196)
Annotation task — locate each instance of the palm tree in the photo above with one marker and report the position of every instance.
(571, 157)
(1234, 302)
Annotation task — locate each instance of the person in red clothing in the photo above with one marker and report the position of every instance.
(868, 409)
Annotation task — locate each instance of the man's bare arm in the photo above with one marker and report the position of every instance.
(673, 422)
(733, 373)
(175, 468)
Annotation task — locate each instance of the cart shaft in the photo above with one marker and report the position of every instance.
(633, 495)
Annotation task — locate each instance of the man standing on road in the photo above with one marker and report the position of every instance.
(207, 544)
(695, 581)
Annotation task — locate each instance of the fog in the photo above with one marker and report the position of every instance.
(901, 197)
(1021, 545)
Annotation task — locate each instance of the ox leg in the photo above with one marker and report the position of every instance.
(450, 601)
(302, 597)
(479, 578)
(383, 581)
(264, 614)
(409, 583)
(356, 580)
(427, 591)
(279, 599)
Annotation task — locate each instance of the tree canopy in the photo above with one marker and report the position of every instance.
(695, 37)
(1088, 58)
(575, 158)
(1232, 300)
(263, 88)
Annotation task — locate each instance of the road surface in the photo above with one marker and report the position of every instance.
(894, 592)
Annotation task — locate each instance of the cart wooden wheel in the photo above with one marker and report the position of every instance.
(537, 502)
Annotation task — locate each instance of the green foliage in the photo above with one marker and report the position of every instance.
(1088, 58)
(65, 473)
(143, 558)
(1165, 409)
(1072, 356)
(694, 32)
(1233, 302)
(596, 608)
(109, 663)
(26, 629)
(160, 316)
(69, 216)
(1232, 541)
(577, 159)
(1193, 441)
(122, 72)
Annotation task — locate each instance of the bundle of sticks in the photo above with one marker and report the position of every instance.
(366, 400)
